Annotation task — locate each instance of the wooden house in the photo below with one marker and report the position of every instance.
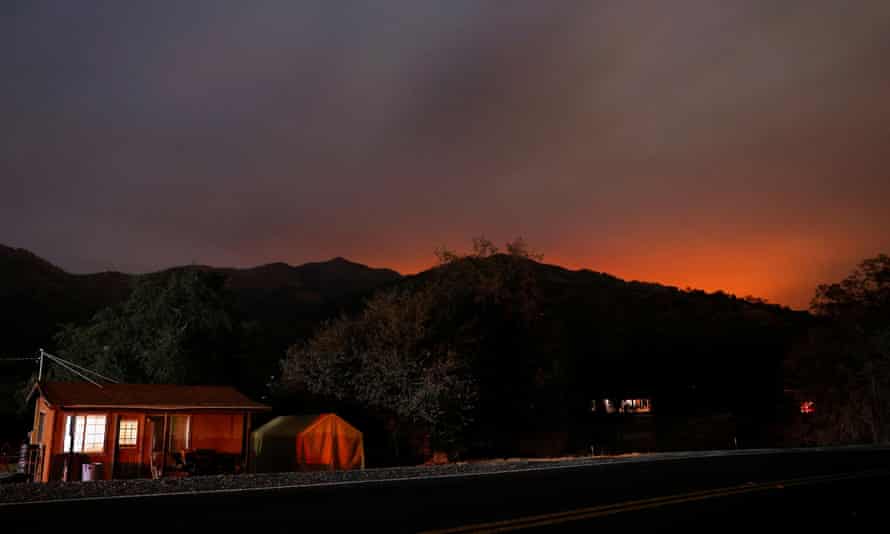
(139, 430)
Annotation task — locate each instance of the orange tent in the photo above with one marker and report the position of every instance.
(307, 442)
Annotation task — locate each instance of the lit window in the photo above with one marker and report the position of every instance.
(41, 423)
(127, 433)
(73, 443)
(807, 407)
(94, 439)
(636, 406)
(89, 433)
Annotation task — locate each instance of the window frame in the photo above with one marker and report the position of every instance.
(81, 447)
(41, 427)
(135, 433)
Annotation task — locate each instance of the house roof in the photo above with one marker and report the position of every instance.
(146, 396)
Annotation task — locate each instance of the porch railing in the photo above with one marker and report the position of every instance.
(28, 462)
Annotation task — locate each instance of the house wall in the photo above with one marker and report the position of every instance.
(55, 455)
(46, 440)
(127, 461)
(220, 432)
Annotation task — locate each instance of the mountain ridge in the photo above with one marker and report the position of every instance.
(38, 296)
(594, 323)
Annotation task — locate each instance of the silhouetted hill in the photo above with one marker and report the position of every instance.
(594, 335)
(647, 336)
(38, 296)
(277, 303)
(281, 304)
(583, 310)
(319, 280)
(19, 266)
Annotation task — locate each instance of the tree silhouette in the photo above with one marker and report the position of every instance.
(386, 358)
(846, 360)
(420, 351)
(175, 327)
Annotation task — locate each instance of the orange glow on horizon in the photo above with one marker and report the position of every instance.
(711, 278)
(781, 271)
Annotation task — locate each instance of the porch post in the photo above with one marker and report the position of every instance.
(246, 443)
(115, 447)
(164, 445)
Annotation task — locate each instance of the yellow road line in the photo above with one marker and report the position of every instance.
(643, 504)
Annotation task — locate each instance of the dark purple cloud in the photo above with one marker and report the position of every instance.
(736, 145)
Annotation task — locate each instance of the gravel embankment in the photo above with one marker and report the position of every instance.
(30, 492)
(24, 492)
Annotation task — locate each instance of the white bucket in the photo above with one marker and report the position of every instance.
(91, 471)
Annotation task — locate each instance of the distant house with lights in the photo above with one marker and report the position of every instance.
(635, 405)
(802, 400)
(798, 409)
(637, 421)
(622, 422)
(139, 430)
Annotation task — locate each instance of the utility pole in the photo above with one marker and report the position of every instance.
(40, 370)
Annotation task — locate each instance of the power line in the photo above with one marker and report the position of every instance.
(69, 366)
(82, 368)
(73, 370)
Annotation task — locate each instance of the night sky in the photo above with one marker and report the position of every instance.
(742, 146)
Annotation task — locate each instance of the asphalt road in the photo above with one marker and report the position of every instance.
(796, 492)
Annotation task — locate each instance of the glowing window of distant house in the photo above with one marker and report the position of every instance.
(128, 433)
(807, 407)
(89, 433)
(634, 405)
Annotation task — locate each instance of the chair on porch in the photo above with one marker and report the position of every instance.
(176, 464)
